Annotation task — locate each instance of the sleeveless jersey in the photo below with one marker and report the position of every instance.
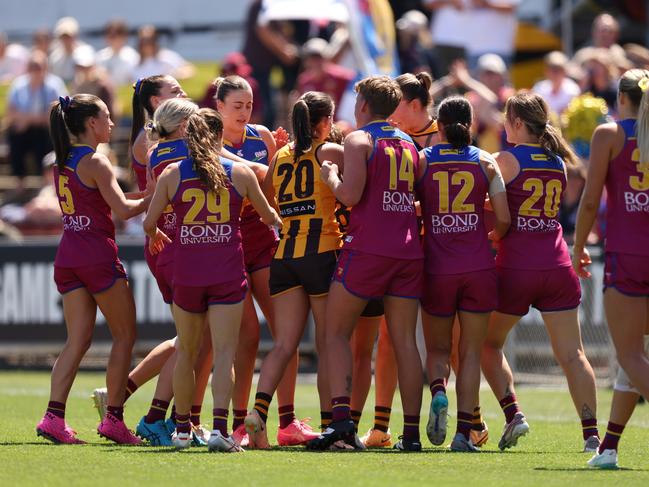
(208, 239)
(139, 169)
(254, 232)
(452, 198)
(627, 189)
(384, 221)
(88, 229)
(535, 238)
(167, 152)
(428, 132)
(306, 205)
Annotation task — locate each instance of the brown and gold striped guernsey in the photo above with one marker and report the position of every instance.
(306, 204)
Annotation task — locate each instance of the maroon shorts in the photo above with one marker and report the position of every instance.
(151, 260)
(475, 292)
(257, 258)
(196, 299)
(95, 278)
(629, 274)
(552, 290)
(370, 276)
(164, 277)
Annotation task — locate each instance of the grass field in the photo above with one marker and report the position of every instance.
(549, 456)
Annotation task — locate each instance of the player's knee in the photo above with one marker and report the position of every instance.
(79, 345)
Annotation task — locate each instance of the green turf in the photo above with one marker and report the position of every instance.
(550, 455)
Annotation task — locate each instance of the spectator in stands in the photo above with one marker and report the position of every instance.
(29, 101)
(601, 77)
(414, 44)
(118, 58)
(158, 60)
(604, 34)
(448, 29)
(266, 46)
(41, 41)
(557, 88)
(91, 79)
(638, 55)
(490, 29)
(67, 45)
(13, 59)
(488, 110)
(319, 74)
(235, 63)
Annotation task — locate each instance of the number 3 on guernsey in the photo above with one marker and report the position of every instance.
(406, 168)
(67, 205)
(219, 210)
(640, 183)
(552, 197)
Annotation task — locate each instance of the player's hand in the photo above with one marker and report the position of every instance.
(277, 223)
(495, 239)
(158, 242)
(580, 262)
(327, 170)
(281, 137)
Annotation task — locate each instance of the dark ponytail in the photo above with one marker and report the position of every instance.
(308, 111)
(455, 116)
(416, 86)
(143, 90)
(533, 112)
(68, 116)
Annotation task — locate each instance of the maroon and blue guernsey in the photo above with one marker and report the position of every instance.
(167, 152)
(256, 234)
(627, 189)
(208, 236)
(535, 239)
(139, 169)
(384, 221)
(453, 193)
(88, 229)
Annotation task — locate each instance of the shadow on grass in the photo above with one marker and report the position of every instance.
(49, 444)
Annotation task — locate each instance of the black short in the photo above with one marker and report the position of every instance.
(373, 309)
(311, 272)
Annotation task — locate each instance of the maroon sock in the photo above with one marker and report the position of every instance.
(325, 419)
(195, 415)
(438, 385)
(411, 427)
(464, 423)
(382, 418)
(183, 424)
(131, 387)
(238, 416)
(478, 423)
(157, 411)
(56, 408)
(509, 407)
(340, 408)
(286, 415)
(589, 428)
(117, 411)
(612, 437)
(356, 418)
(220, 421)
(172, 417)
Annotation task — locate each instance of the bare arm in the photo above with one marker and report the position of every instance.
(349, 192)
(104, 177)
(267, 185)
(333, 153)
(600, 154)
(244, 177)
(161, 198)
(497, 196)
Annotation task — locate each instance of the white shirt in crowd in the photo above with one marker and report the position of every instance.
(63, 65)
(119, 65)
(449, 25)
(490, 31)
(557, 101)
(14, 62)
(166, 62)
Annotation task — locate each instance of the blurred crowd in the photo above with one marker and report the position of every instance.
(466, 45)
